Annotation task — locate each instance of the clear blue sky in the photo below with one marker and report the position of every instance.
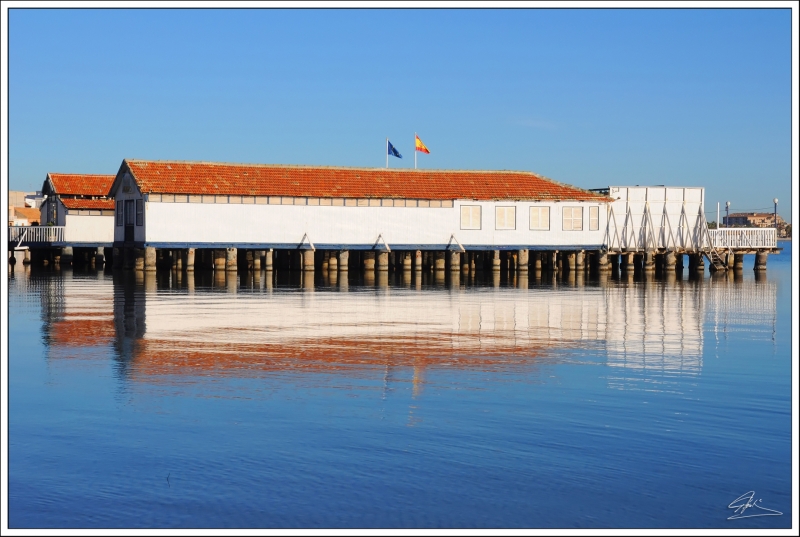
(587, 97)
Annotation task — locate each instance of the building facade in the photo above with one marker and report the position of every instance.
(752, 220)
(80, 203)
(167, 204)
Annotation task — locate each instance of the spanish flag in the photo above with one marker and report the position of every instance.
(419, 146)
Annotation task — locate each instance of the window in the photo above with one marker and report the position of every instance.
(119, 213)
(573, 218)
(139, 212)
(505, 217)
(128, 212)
(540, 218)
(470, 217)
(594, 218)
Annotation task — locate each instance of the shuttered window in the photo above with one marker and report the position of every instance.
(540, 218)
(129, 212)
(573, 218)
(119, 214)
(470, 217)
(594, 218)
(505, 217)
(139, 212)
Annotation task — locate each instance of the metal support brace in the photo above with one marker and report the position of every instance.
(303, 240)
(450, 242)
(381, 239)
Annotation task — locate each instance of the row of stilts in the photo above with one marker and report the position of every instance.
(233, 259)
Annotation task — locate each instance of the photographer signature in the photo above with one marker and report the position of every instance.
(744, 502)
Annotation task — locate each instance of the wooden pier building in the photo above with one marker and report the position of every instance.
(76, 219)
(164, 205)
(225, 216)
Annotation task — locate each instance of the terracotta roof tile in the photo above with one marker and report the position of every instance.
(172, 177)
(28, 213)
(77, 203)
(81, 184)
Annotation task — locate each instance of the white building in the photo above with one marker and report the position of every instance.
(165, 204)
(656, 218)
(79, 203)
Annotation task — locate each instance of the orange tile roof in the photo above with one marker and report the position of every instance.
(172, 177)
(29, 213)
(77, 203)
(81, 184)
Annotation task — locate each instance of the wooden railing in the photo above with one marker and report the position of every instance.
(743, 237)
(37, 234)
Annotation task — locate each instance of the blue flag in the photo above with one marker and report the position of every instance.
(392, 151)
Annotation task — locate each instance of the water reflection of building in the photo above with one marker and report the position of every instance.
(656, 327)
(644, 330)
(742, 306)
(76, 311)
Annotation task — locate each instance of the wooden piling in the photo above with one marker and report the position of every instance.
(523, 259)
(369, 260)
(383, 261)
(455, 261)
(139, 260)
(571, 261)
(649, 262)
(670, 261)
(407, 262)
(231, 261)
(603, 264)
(761, 260)
(219, 260)
(149, 259)
(439, 260)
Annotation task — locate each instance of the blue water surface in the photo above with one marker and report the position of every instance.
(144, 401)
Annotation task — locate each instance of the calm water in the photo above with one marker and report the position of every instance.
(154, 401)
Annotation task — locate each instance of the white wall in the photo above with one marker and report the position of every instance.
(666, 206)
(85, 228)
(286, 224)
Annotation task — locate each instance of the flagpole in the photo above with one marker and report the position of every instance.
(387, 152)
(415, 150)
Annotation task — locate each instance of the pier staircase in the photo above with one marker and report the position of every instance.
(715, 257)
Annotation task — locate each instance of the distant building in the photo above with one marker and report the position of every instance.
(752, 220)
(34, 200)
(764, 220)
(16, 198)
(23, 216)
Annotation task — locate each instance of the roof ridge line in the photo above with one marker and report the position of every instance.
(84, 174)
(321, 166)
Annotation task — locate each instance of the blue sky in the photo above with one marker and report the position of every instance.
(587, 97)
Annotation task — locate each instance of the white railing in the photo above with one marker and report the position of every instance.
(36, 234)
(743, 237)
